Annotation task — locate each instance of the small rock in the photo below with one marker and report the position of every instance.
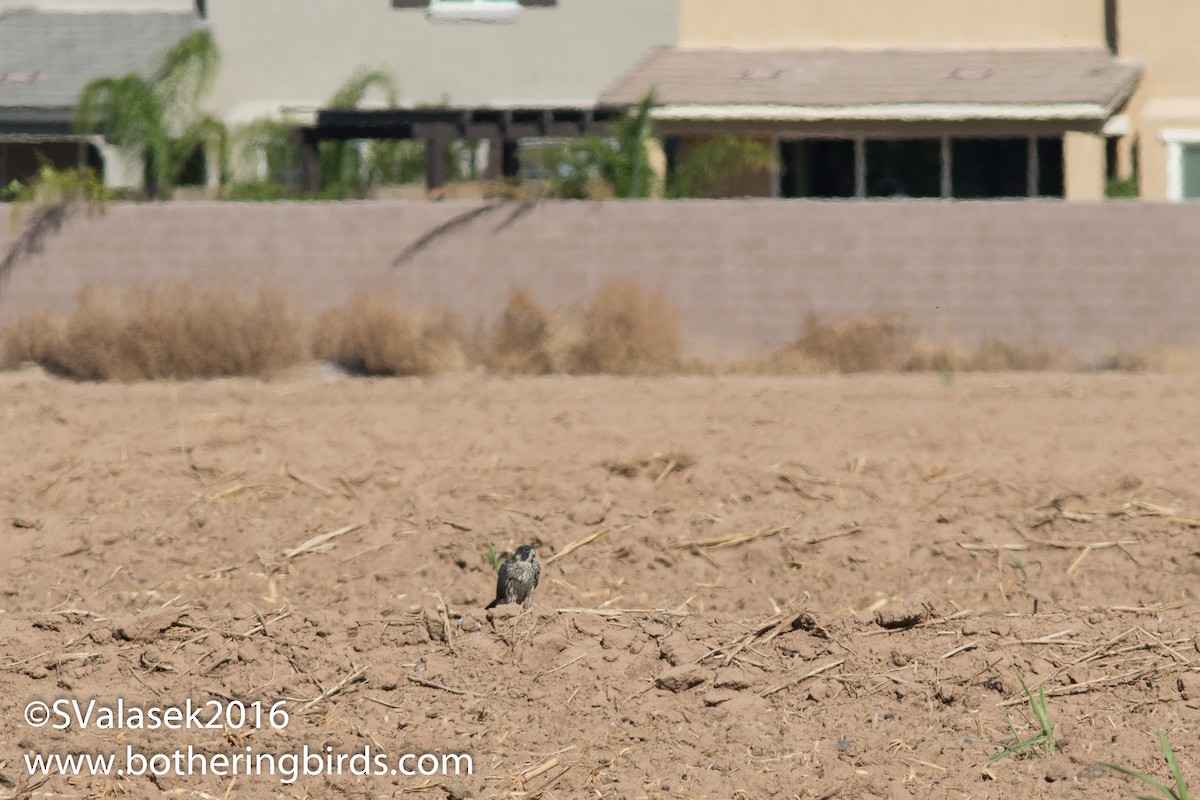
(470, 624)
(101, 636)
(26, 522)
(679, 679)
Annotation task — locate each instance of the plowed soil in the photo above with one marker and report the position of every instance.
(751, 587)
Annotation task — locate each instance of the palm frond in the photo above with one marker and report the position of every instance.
(187, 70)
(351, 93)
(341, 163)
(709, 165)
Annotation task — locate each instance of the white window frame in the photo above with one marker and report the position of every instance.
(474, 10)
(1176, 139)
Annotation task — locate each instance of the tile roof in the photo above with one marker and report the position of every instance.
(829, 79)
(47, 58)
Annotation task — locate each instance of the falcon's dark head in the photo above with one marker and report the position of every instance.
(525, 553)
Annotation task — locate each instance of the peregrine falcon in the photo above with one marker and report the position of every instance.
(518, 578)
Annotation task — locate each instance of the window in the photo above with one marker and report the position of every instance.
(904, 168)
(817, 168)
(950, 166)
(1183, 164)
(479, 10)
(482, 10)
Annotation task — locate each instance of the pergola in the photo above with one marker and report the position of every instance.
(503, 128)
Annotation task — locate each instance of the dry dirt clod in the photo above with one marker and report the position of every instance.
(679, 679)
(146, 627)
(588, 512)
(589, 625)
(434, 625)
(905, 613)
(456, 791)
(820, 691)
(717, 697)
(733, 678)
(677, 650)
(503, 613)
(1057, 772)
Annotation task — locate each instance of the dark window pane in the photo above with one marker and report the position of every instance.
(904, 168)
(990, 167)
(817, 168)
(1050, 167)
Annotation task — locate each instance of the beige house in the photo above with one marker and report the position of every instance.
(938, 98)
(292, 55)
(1163, 133)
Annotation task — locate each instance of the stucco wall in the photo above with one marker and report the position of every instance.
(887, 23)
(1163, 34)
(745, 274)
(283, 52)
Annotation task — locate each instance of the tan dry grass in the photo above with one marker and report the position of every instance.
(867, 343)
(167, 330)
(31, 338)
(994, 355)
(627, 330)
(374, 334)
(520, 341)
(885, 342)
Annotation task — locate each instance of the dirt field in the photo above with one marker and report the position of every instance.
(718, 632)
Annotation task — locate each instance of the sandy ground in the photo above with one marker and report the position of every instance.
(807, 588)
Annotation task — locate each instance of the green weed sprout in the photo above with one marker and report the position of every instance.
(1178, 792)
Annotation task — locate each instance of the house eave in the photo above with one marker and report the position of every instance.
(891, 112)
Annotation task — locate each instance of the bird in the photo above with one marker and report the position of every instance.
(518, 578)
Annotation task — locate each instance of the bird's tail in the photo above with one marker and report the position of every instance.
(492, 604)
